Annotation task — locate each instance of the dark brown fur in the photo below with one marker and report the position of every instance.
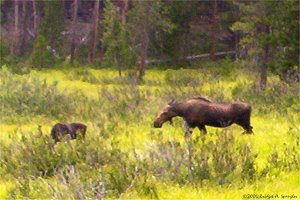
(199, 112)
(59, 130)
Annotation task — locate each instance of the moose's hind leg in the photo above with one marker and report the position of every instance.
(188, 130)
(83, 132)
(202, 129)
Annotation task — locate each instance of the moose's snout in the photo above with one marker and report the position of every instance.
(157, 125)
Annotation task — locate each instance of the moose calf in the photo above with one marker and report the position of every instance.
(59, 130)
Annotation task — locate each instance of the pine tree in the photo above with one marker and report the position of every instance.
(52, 24)
(271, 34)
(145, 17)
(255, 25)
(115, 37)
(41, 56)
(175, 44)
(286, 27)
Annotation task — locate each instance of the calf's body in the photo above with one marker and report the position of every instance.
(59, 130)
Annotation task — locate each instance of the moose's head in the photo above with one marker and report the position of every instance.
(167, 113)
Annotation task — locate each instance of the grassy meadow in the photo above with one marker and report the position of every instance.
(123, 156)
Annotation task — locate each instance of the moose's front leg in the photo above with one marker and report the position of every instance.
(188, 130)
(73, 135)
(202, 129)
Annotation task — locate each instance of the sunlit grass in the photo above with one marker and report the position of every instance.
(287, 184)
(273, 131)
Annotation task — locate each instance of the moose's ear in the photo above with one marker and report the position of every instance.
(171, 102)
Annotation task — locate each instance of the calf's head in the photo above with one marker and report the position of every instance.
(165, 115)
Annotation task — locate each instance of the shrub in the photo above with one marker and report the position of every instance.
(278, 94)
(217, 159)
(73, 165)
(32, 96)
(41, 56)
(181, 77)
(4, 51)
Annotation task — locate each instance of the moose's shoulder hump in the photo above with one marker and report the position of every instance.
(201, 98)
(59, 124)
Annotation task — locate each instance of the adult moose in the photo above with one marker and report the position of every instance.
(59, 130)
(199, 112)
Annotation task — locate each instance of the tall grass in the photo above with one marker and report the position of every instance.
(122, 153)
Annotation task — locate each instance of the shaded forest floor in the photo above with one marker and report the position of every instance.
(124, 156)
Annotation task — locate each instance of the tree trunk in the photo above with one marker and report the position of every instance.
(213, 31)
(298, 77)
(24, 27)
(14, 41)
(236, 45)
(263, 76)
(145, 42)
(35, 23)
(123, 5)
(123, 11)
(94, 33)
(118, 61)
(236, 34)
(142, 64)
(73, 46)
(265, 62)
